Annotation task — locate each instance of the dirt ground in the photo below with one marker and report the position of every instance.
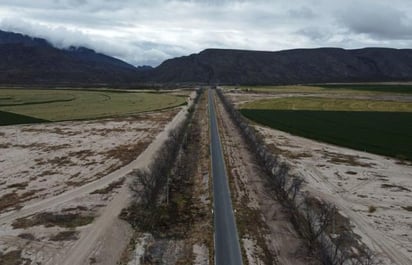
(62, 186)
(374, 192)
(266, 233)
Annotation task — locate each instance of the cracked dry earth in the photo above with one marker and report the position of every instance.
(267, 236)
(56, 183)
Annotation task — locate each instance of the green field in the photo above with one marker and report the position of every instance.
(7, 118)
(380, 127)
(330, 89)
(371, 87)
(61, 105)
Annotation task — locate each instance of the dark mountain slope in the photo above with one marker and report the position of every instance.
(287, 67)
(26, 60)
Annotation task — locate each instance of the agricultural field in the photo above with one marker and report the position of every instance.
(382, 127)
(330, 89)
(371, 190)
(60, 105)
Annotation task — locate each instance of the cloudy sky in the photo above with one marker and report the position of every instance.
(150, 31)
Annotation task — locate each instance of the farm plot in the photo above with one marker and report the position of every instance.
(377, 126)
(61, 105)
(401, 88)
(372, 191)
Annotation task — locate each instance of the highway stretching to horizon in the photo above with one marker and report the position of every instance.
(227, 247)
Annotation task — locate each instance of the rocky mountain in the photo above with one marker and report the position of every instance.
(287, 67)
(33, 61)
(26, 60)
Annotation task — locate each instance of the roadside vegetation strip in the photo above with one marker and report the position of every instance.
(164, 203)
(60, 105)
(329, 104)
(8, 118)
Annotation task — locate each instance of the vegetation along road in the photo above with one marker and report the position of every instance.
(227, 248)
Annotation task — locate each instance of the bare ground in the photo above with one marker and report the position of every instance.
(373, 191)
(84, 157)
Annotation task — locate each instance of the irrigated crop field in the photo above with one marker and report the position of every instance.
(382, 127)
(60, 105)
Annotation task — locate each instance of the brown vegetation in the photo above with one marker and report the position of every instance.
(110, 187)
(65, 236)
(48, 219)
(13, 258)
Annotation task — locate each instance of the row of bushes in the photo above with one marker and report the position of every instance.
(150, 186)
(313, 217)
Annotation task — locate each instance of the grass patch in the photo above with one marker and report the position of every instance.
(60, 105)
(385, 133)
(13, 258)
(13, 199)
(19, 186)
(408, 208)
(69, 220)
(65, 236)
(396, 187)
(110, 187)
(27, 236)
(8, 118)
(372, 87)
(372, 209)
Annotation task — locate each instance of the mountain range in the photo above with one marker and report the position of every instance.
(34, 61)
(27, 60)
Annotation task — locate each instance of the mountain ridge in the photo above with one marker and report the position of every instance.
(318, 65)
(27, 60)
(34, 61)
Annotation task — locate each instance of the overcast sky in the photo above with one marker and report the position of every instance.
(150, 31)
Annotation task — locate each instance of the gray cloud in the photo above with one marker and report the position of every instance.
(380, 22)
(150, 31)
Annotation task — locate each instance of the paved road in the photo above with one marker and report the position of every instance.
(227, 248)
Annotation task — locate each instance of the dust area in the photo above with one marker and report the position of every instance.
(266, 233)
(64, 171)
(375, 192)
(39, 161)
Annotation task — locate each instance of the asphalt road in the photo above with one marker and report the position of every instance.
(227, 248)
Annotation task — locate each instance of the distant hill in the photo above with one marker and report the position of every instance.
(287, 67)
(31, 61)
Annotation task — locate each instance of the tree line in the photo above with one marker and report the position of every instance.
(150, 187)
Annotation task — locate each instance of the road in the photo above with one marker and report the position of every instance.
(227, 248)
